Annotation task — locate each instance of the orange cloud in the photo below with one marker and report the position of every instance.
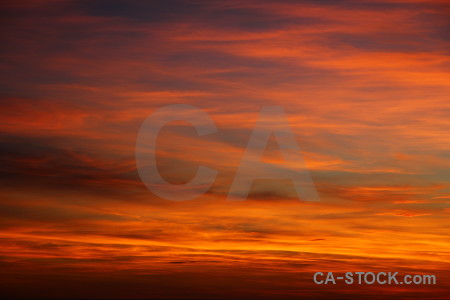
(365, 87)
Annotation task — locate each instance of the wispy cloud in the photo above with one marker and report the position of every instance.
(365, 85)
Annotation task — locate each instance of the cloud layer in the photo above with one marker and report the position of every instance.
(365, 85)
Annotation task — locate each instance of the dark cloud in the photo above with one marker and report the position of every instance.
(45, 163)
(46, 213)
(143, 11)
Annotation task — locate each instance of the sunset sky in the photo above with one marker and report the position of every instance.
(365, 86)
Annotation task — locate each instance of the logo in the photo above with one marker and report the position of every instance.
(272, 121)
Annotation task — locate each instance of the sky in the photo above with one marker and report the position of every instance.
(365, 86)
